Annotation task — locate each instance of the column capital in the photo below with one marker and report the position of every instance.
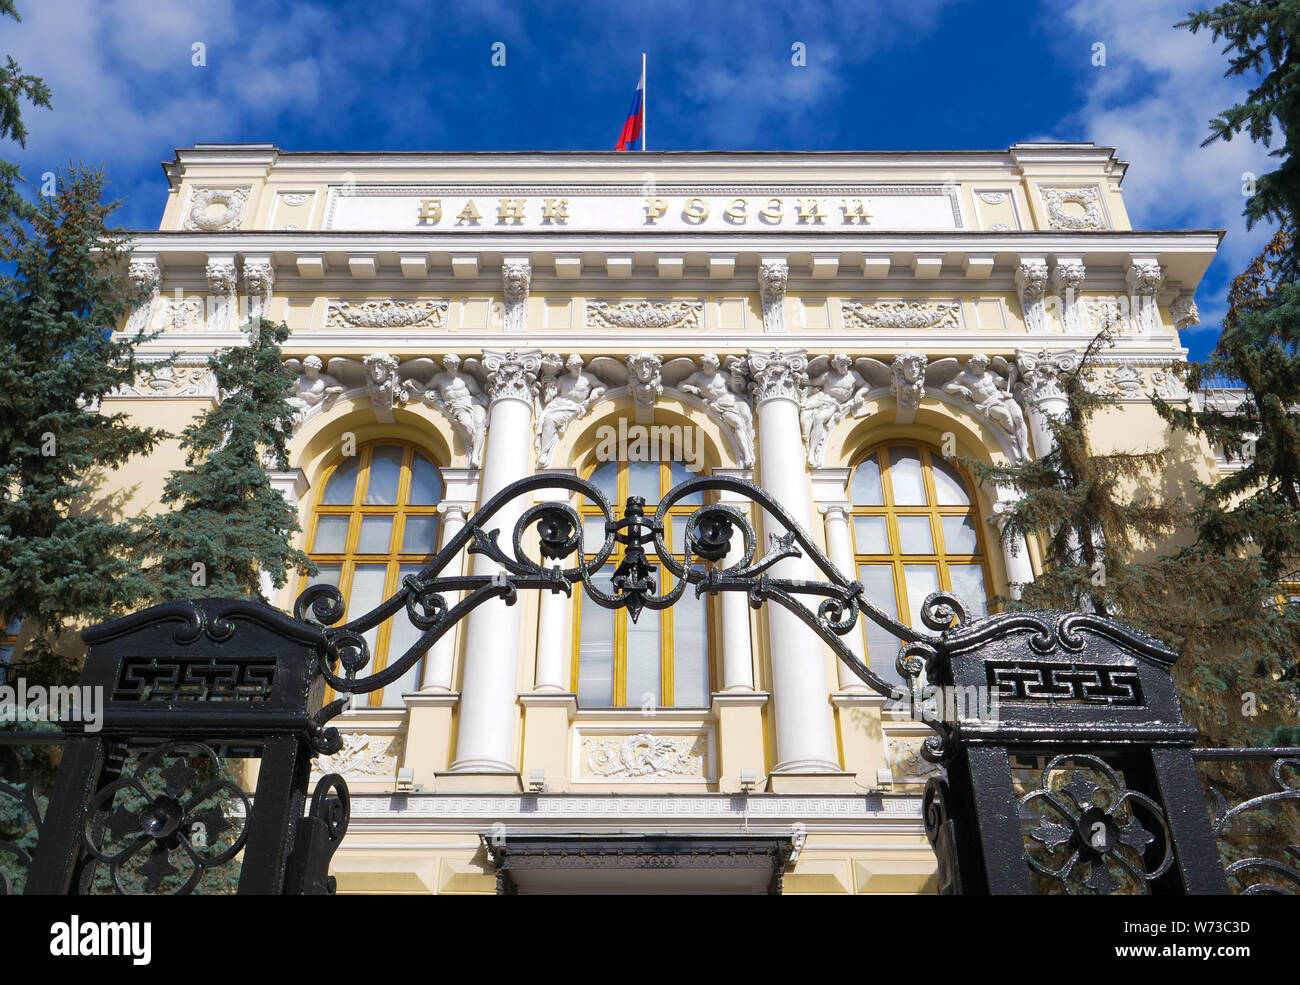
(512, 375)
(459, 509)
(777, 374)
(835, 511)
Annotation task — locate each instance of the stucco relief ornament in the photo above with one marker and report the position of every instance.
(1031, 285)
(1184, 312)
(384, 384)
(361, 755)
(644, 754)
(644, 315)
(908, 383)
(259, 278)
(221, 286)
(723, 394)
(386, 314)
(1167, 385)
(988, 395)
(453, 391)
(230, 201)
(646, 378)
(1144, 279)
(516, 279)
(773, 276)
(833, 387)
(902, 315)
(143, 274)
(566, 393)
(1057, 198)
(1067, 282)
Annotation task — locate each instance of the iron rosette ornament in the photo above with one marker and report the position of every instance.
(162, 827)
(831, 607)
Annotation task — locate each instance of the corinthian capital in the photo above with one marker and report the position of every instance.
(512, 375)
(777, 374)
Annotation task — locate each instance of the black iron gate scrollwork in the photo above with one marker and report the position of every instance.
(1083, 779)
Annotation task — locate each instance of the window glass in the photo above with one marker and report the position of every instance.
(420, 535)
(959, 535)
(914, 535)
(376, 535)
(596, 649)
(866, 489)
(426, 484)
(342, 483)
(949, 488)
(331, 534)
(871, 534)
(385, 475)
(905, 477)
(690, 652)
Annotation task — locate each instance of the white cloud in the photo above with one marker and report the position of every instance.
(1152, 101)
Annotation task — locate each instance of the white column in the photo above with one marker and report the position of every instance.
(291, 485)
(839, 548)
(737, 649)
(441, 659)
(486, 739)
(554, 618)
(805, 735)
(1015, 552)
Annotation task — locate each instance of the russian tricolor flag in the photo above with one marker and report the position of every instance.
(635, 118)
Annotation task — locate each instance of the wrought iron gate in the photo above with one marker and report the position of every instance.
(1083, 780)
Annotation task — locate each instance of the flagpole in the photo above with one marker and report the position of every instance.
(643, 101)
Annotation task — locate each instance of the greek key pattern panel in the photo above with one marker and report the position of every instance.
(1023, 680)
(194, 679)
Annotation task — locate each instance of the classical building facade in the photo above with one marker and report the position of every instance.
(834, 326)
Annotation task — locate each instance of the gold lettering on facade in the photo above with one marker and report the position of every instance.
(469, 214)
(430, 209)
(655, 209)
(511, 210)
(738, 210)
(555, 210)
(812, 210)
(773, 211)
(696, 210)
(856, 210)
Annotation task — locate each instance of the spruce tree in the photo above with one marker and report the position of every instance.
(64, 557)
(227, 524)
(1105, 548)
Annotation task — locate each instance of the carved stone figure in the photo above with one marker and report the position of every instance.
(566, 394)
(773, 275)
(315, 388)
(516, 279)
(723, 395)
(458, 396)
(832, 388)
(988, 395)
(908, 384)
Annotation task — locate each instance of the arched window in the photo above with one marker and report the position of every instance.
(915, 530)
(662, 660)
(375, 521)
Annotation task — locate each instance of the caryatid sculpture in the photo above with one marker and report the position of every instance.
(723, 395)
(460, 398)
(564, 397)
(828, 398)
(989, 396)
(314, 389)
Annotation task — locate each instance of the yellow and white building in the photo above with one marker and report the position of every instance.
(711, 747)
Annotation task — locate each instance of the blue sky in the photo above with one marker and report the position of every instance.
(410, 75)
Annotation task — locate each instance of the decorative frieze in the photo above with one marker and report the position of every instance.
(643, 756)
(1055, 199)
(902, 315)
(426, 313)
(187, 376)
(362, 755)
(645, 315)
(180, 314)
(216, 209)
